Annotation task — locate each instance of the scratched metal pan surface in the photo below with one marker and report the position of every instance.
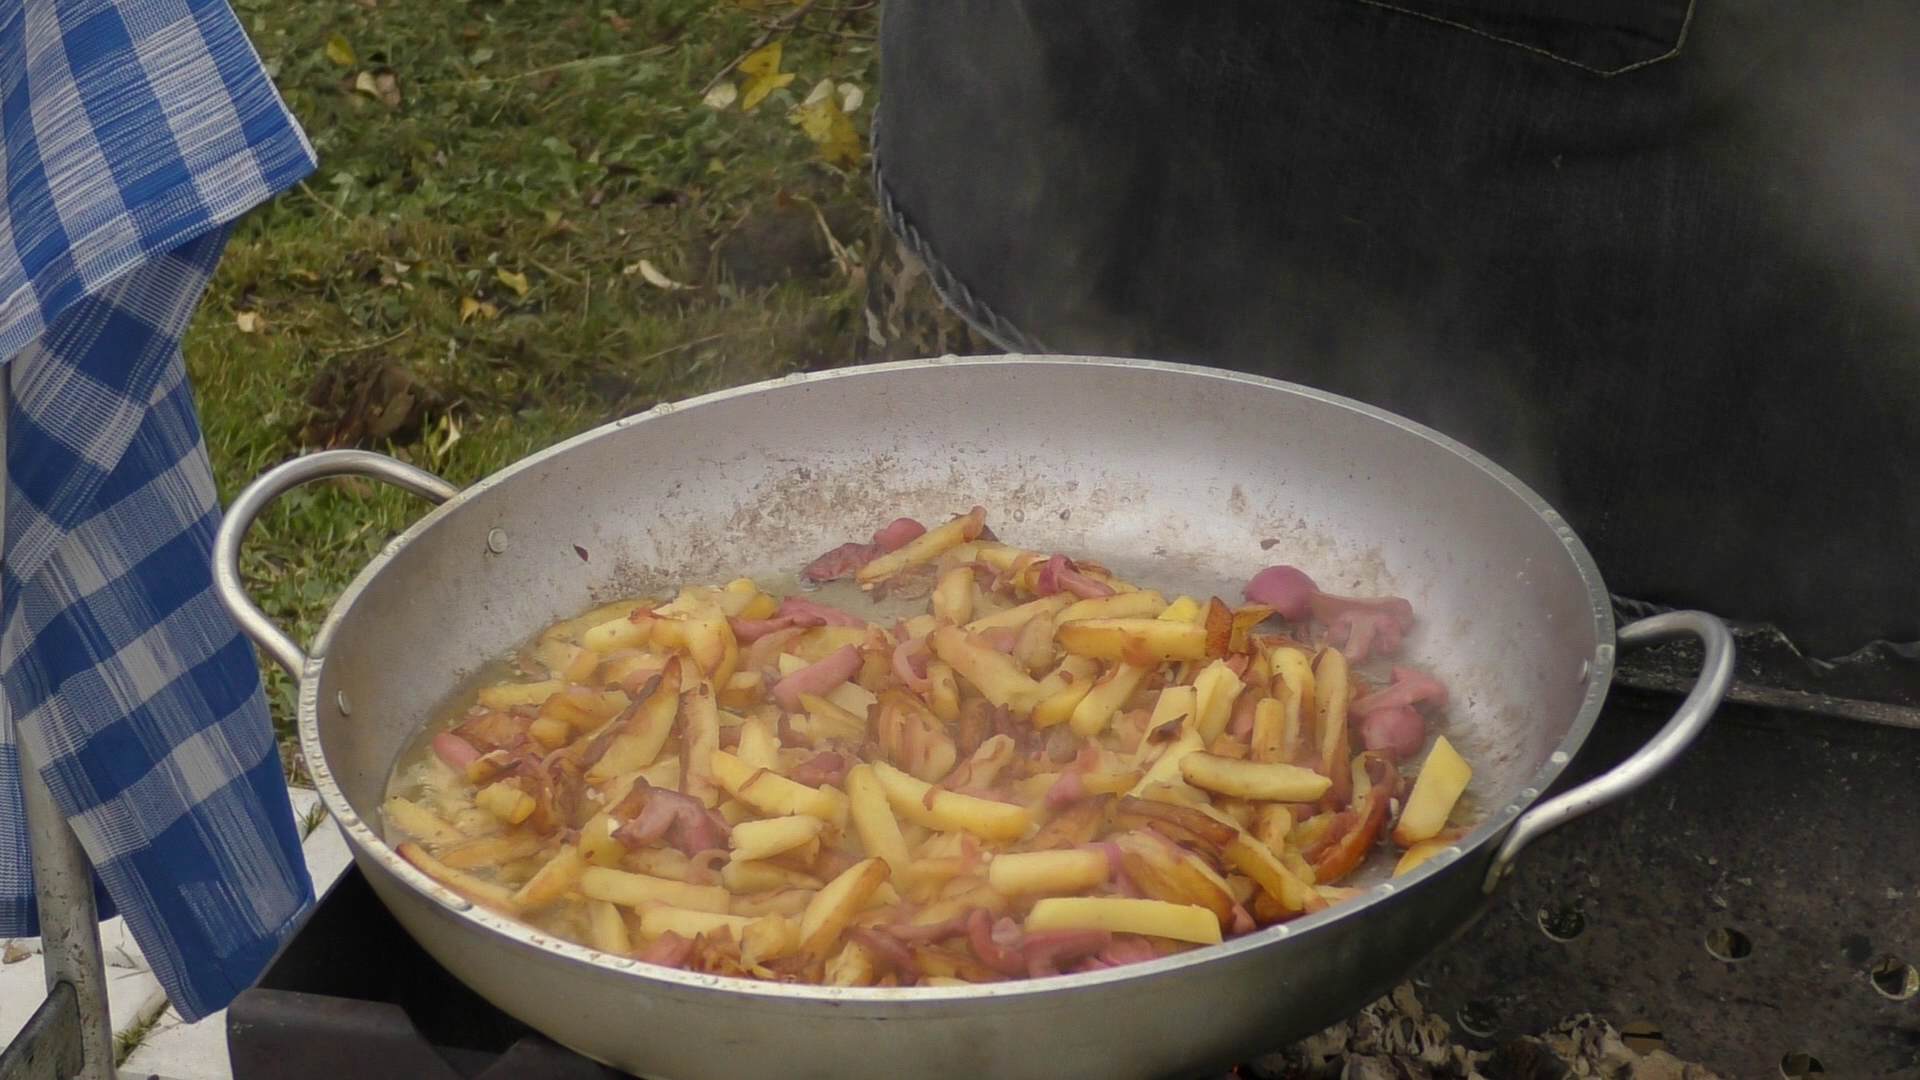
(1185, 478)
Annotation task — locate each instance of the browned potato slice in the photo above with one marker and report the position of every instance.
(1020, 614)
(757, 877)
(873, 819)
(944, 698)
(1058, 873)
(759, 747)
(700, 735)
(607, 928)
(506, 802)
(480, 892)
(1442, 779)
(834, 906)
(1215, 689)
(952, 599)
(1063, 689)
(421, 823)
(1096, 708)
(1419, 853)
(853, 965)
(633, 890)
(924, 548)
(1331, 695)
(1136, 641)
(1145, 604)
(507, 696)
(911, 737)
(773, 794)
(782, 901)
(990, 671)
(1272, 782)
(768, 937)
(561, 873)
(1293, 688)
(494, 850)
(1287, 889)
(1166, 871)
(1124, 915)
(920, 802)
(644, 731)
(711, 643)
(619, 632)
(770, 836)
(657, 918)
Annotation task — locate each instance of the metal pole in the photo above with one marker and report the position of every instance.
(63, 879)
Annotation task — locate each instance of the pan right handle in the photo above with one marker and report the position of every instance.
(1716, 672)
(271, 485)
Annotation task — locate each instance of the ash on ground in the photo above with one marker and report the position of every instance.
(1396, 1039)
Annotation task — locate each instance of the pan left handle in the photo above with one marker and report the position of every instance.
(271, 485)
(1716, 672)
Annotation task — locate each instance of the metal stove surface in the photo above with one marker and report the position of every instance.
(1756, 909)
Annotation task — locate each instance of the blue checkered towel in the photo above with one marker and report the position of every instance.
(131, 133)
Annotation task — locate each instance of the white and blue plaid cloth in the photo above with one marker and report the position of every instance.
(132, 132)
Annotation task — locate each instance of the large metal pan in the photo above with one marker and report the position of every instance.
(1169, 474)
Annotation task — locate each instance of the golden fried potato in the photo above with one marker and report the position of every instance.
(1123, 915)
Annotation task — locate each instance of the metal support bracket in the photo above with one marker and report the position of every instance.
(71, 1035)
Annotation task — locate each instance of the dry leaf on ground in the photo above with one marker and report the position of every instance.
(249, 322)
(721, 97)
(651, 274)
(513, 280)
(339, 51)
(763, 75)
(829, 127)
(471, 309)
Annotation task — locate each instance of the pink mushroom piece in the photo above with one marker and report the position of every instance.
(1285, 589)
(819, 677)
(682, 820)
(849, 557)
(800, 611)
(668, 950)
(1060, 575)
(1386, 719)
(455, 750)
(748, 631)
(1361, 626)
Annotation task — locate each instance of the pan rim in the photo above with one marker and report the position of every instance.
(1482, 839)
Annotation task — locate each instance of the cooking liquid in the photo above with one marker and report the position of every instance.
(421, 776)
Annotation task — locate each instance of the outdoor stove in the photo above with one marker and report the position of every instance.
(1756, 910)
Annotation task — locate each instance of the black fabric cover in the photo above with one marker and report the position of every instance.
(1659, 258)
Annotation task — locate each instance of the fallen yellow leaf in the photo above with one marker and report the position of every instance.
(471, 309)
(249, 322)
(339, 51)
(515, 281)
(830, 130)
(762, 69)
(721, 96)
(363, 82)
(651, 274)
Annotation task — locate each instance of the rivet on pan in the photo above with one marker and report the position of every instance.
(1529, 793)
(1586, 671)
(346, 707)
(497, 541)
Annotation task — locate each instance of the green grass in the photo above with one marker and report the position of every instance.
(544, 144)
